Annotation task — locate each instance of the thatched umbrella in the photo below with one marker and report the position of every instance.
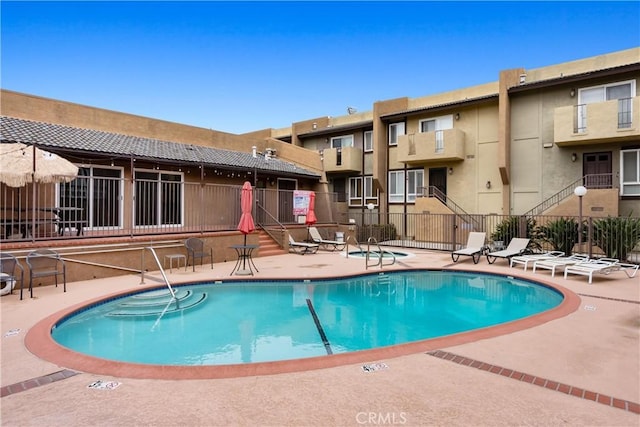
(21, 164)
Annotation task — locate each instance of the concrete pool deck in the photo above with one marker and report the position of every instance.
(580, 369)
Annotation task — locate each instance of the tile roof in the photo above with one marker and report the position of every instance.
(112, 144)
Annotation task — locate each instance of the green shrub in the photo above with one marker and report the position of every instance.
(616, 236)
(510, 228)
(381, 232)
(562, 234)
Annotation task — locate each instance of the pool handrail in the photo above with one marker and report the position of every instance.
(164, 276)
(351, 237)
(381, 253)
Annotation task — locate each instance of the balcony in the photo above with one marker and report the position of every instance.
(431, 147)
(346, 159)
(585, 124)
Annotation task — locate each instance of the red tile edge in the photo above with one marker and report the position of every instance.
(602, 399)
(39, 342)
(36, 382)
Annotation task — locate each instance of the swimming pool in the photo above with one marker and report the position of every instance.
(263, 321)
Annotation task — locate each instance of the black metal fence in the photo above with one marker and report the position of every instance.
(106, 207)
(614, 237)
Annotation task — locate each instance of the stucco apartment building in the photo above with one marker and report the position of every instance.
(503, 147)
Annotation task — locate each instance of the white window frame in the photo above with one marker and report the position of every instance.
(440, 124)
(369, 196)
(630, 181)
(368, 141)
(355, 186)
(582, 105)
(92, 183)
(337, 141)
(397, 191)
(395, 130)
(160, 221)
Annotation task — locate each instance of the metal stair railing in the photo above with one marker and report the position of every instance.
(433, 191)
(164, 276)
(278, 239)
(589, 181)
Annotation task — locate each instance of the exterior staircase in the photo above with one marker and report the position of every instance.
(268, 246)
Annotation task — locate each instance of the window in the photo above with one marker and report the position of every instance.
(158, 198)
(369, 195)
(368, 141)
(361, 191)
(395, 129)
(622, 91)
(414, 182)
(437, 125)
(98, 192)
(355, 191)
(630, 172)
(342, 141)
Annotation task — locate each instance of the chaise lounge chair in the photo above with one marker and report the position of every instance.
(531, 258)
(302, 248)
(517, 246)
(475, 247)
(560, 262)
(330, 245)
(601, 266)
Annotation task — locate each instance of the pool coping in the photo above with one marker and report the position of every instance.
(40, 342)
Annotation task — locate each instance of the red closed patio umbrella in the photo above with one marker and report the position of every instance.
(246, 224)
(311, 214)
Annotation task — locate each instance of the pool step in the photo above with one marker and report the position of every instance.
(156, 304)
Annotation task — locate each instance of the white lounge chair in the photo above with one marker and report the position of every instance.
(562, 262)
(330, 245)
(302, 248)
(601, 266)
(517, 246)
(531, 258)
(475, 247)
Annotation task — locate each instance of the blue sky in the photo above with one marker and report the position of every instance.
(243, 66)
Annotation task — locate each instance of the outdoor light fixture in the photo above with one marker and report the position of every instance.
(572, 93)
(457, 116)
(574, 157)
(450, 171)
(488, 185)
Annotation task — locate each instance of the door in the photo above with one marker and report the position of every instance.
(438, 179)
(285, 200)
(597, 170)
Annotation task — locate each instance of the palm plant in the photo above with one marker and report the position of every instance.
(617, 236)
(562, 234)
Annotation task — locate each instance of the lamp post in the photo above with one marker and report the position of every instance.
(370, 206)
(580, 191)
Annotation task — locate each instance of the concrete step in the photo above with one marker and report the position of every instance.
(268, 246)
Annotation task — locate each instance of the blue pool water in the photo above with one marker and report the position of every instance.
(246, 322)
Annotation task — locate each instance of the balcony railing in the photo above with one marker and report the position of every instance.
(345, 159)
(430, 147)
(597, 122)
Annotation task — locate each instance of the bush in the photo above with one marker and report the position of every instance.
(510, 228)
(381, 232)
(562, 234)
(616, 236)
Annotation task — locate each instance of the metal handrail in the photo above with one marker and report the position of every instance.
(381, 253)
(446, 200)
(277, 239)
(164, 276)
(357, 244)
(589, 181)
